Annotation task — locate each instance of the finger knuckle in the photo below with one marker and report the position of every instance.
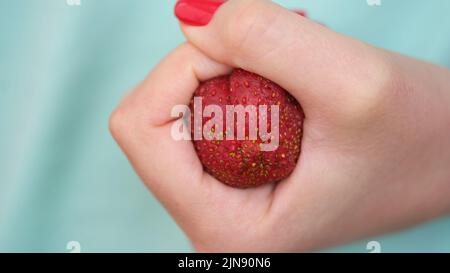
(184, 53)
(369, 99)
(118, 122)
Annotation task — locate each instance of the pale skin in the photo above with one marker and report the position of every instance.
(375, 151)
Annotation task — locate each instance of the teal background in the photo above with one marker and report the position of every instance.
(64, 68)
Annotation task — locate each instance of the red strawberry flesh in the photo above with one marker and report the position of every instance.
(241, 163)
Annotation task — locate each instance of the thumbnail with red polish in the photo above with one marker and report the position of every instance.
(196, 12)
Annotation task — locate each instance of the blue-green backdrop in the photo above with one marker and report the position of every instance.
(63, 68)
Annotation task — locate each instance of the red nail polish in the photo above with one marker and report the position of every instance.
(196, 12)
(301, 13)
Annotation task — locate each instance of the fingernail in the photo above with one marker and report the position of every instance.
(196, 12)
(301, 12)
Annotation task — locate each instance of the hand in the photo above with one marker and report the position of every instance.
(376, 145)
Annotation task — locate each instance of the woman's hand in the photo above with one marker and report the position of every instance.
(376, 145)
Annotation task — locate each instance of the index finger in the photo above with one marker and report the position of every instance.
(142, 127)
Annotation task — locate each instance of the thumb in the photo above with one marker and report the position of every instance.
(314, 63)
